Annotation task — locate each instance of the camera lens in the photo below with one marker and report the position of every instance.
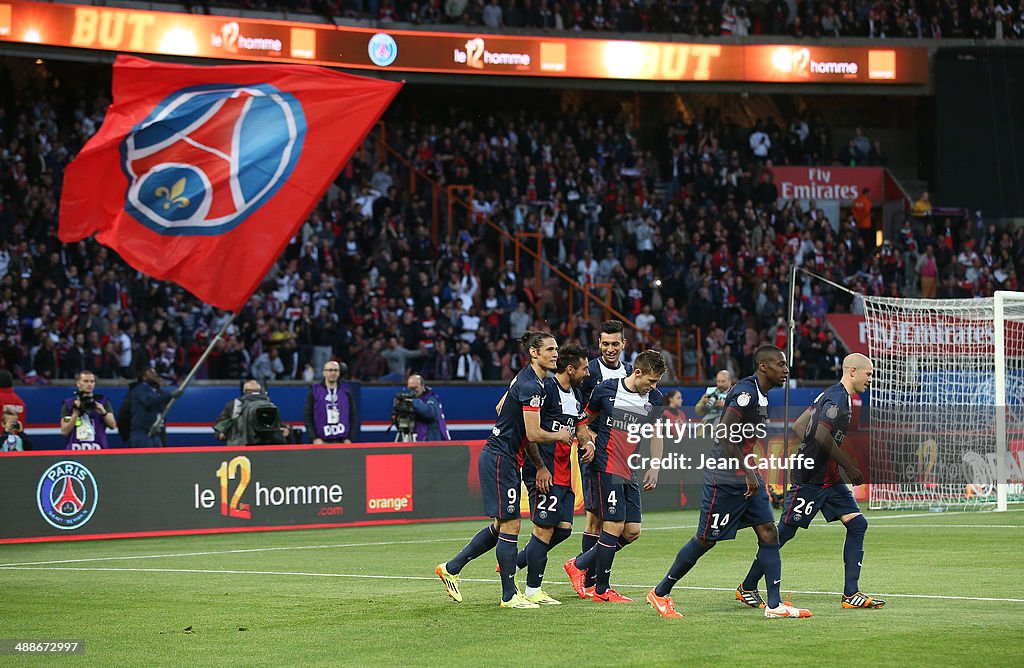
(265, 417)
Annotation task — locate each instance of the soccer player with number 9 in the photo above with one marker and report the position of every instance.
(517, 429)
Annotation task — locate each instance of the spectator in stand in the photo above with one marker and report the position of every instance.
(861, 211)
(928, 271)
(398, 358)
(370, 263)
(922, 206)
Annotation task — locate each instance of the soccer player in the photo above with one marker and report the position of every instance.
(552, 508)
(606, 365)
(817, 486)
(617, 409)
(734, 495)
(500, 463)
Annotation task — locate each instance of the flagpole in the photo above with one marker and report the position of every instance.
(159, 422)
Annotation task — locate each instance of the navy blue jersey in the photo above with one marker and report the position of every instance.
(600, 372)
(832, 409)
(562, 408)
(751, 404)
(615, 413)
(525, 393)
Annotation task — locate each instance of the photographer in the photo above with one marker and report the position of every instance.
(712, 402)
(251, 419)
(85, 419)
(330, 413)
(429, 414)
(12, 428)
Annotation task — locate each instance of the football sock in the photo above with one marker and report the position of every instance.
(589, 541)
(684, 561)
(482, 542)
(771, 562)
(537, 560)
(786, 531)
(508, 546)
(585, 561)
(853, 553)
(607, 546)
(756, 572)
(559, 536)
(754, 576)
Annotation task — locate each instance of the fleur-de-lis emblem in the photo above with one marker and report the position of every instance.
(173, 195)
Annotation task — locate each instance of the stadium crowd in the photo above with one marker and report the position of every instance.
(688, 232)
(880, 19)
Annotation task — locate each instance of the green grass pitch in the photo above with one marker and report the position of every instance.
(368, 597)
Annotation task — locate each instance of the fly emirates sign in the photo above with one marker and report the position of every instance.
(827, 183)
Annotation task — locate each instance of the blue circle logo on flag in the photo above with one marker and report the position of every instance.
(66, 495)
(207, 157)
(382, 49)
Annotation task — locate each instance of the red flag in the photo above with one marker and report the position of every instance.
(201, 175)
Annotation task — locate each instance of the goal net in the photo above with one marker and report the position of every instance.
(947, 401)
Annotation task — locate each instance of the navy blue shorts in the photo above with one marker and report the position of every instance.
(803, 502)
(724, 510)
(500, 482)
(585, 475)
(548, 510)
(616, 499)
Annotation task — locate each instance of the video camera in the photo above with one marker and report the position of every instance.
(260, 421)
(87, 401)
(403, 415)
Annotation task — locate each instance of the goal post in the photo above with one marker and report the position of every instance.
(947, 401)
(1008, 335)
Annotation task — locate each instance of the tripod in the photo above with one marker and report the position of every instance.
(403, 429)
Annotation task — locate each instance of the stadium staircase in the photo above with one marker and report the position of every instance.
(452, 210)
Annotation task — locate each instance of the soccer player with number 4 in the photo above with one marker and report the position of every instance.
(818, 487)
(734, 495)
(618, 408)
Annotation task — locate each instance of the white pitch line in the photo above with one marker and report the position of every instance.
(933, 514)
(833, 525)
(491, 581)
(239, 551)
(939, 526)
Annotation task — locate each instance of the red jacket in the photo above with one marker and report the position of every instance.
(9, 398)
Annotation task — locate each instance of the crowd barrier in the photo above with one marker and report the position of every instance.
(160, 492)
(468, 407)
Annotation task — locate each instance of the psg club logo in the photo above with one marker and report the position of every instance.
(209, 156)
(382, 49)
(67, 495)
